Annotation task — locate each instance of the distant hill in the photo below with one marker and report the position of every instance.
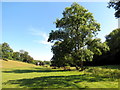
(14, 64)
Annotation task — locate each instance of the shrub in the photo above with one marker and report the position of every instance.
(5, 59)
(10, 58)
(104, 73)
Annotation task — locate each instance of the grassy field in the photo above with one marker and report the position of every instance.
(22, 75)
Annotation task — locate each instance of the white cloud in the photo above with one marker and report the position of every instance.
(41, 38)
(44, 36)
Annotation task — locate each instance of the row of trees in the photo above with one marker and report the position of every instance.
(75, 41)
(8, 53)
(112, 40)
(112, 56)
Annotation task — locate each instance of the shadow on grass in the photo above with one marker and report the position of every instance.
(111, 66)
(34, 70)
(54, 81)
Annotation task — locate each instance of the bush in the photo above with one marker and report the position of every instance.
(10, 58)
(105, 73)
(5, 59)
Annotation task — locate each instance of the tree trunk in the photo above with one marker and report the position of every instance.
(77, 68)
(81, 66)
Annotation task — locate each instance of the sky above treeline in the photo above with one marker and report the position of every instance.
(26, 25)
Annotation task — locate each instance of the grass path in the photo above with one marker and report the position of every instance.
(22, 75)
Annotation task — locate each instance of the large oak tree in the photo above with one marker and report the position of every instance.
(75, 37)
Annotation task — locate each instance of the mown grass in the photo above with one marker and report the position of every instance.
(30, 76)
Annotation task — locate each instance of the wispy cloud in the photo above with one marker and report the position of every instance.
(39, 32)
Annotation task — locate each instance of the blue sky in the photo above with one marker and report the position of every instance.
(26, 25)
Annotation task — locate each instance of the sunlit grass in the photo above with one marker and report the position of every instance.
(30, 76)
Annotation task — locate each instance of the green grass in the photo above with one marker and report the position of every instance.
(30, 76)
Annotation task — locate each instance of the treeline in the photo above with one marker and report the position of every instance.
(112, 40)
(7, 53)
(111, 57)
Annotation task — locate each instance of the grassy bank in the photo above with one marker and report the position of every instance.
(23, 75)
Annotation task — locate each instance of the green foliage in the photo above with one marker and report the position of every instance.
(105, 73)
(25, 57)
(113, 41)
(116, 5)
(47, 62)
(5, 59)
(97, 47)
(61, 52)
(74, 37)
(6, 51)
(16, 55)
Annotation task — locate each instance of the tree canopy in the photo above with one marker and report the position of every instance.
(8, 53)
(116, 5)
(113, 41)
(75, 40)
